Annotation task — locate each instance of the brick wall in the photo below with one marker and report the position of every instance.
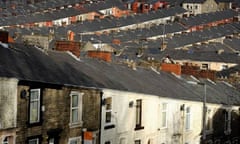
(168, 67)
(106, 56)
(71, 46)
(195, 71)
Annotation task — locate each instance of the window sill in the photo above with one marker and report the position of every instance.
(139, 128)
(75, 125)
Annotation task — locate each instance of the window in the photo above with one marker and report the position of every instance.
(164, 115)
(137, 142)
(51, 141)
(209, 120)
(34, 108)
(108, 102)
(108, 117)
(107, 142)
(188, 118)
(227, 122)
(76, 108)
(5, 140)
(224, 67)
(75, 140)
(196, 7)
(139, 114)
(205, 66)
(33, 141)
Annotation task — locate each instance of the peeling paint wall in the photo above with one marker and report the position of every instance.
(8, 103)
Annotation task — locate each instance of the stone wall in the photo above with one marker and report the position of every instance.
(55, 112)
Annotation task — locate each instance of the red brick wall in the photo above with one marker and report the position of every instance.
(175, 68)
(196, 72)
(106, 56)
(71, 46)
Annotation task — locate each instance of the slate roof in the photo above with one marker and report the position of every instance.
(40, 16)
(211, 56)
(201, 36)
(203, 19)
(30, 64)
(228, 72)
(234, 43)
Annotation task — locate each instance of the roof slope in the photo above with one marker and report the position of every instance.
(29, 63)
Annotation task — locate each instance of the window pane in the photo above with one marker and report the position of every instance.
(73, 142)
(34, 94)
(33, 141)
(137, 141)
(6, 140)
(34, 111)
(74, 100)
(51, 141)
(108, 117)
(188, 118)
(164, 119)
(164, 115)
(74, 115)
(138, 113)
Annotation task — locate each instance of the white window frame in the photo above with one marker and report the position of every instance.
(164, 109)
(227, 122)
(108, 104)
(35, 139)
(38, 108)
(205, 66)
(79, 140)
(4, 142)
(209, 114)
(79, 108)
(188, 119)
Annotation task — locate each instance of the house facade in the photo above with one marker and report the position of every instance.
(199, 7)
(56, 115)
(35, 113)
(133, 118)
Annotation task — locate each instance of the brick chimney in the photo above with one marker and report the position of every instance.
(102, 55)
(170, 67)
(71, 46)
(197, 72)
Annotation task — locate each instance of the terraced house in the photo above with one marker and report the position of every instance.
(56, 98)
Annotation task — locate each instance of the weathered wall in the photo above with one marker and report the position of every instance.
(56, 115)
(8, 103)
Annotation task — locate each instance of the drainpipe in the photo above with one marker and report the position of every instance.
(100, 117)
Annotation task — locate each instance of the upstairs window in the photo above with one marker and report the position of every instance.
(5, 140)
(164, 115)
(34, 108)
(75, 140)
(33, 141)
(227, 122)
(139, 114)
(137, 142)
(108, 102)
(208, 120)
(188, 118)
(205, 66)
(76, 108)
